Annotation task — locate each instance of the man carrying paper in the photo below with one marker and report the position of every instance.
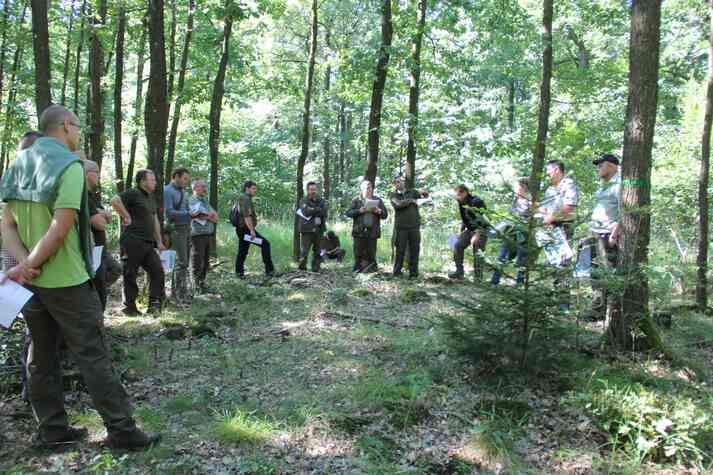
(46, 228)
(367, 211)
(247, 234)
(407, 226)
(312, 215)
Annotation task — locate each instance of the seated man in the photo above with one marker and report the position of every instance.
(332, 248)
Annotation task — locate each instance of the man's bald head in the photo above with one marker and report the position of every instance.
(62, 124)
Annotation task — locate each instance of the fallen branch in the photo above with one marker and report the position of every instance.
(353, 318)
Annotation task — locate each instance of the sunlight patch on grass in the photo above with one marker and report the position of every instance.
(239, 427)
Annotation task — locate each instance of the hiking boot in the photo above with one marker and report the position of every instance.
(70, 436)
(134, 440)
(457, 275)
(131, 311)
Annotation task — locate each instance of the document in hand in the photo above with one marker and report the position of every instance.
(249, 238)
(168, 260)
(424, 201)
(371, 204)
(97, 257)
(13, 297)
(301, 215)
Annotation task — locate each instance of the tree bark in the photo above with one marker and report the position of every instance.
(635, 200)
(414, 95)
(342, 142)
(41, 47)
(511, 104)
(138, 103)
(78, 63)
(118, 94)
(327, 139)
(377, 92)
(67, 53)
(3, 46)
(96, 94)
(306, 124)
(156, 110)
(179, 92)
(216, 106)
(12, 94)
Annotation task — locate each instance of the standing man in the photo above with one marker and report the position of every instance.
(178, 222)
(140, 240)
(473, 232)
(202, 229)
(109, 270)
(559, 209)
(367, 211)
(604, 227)
(246, 220)
(46, 228)
(407, 227)
(312, 214)
(514, 244)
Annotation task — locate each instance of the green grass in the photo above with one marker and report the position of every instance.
(238, 427)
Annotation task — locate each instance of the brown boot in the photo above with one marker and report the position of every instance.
(134, 440)
(70, 436)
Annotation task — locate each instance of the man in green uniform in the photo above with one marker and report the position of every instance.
(407, 227)
(246, 226)
(46, 228)
(312, 215)
(474, 232)
(202, 229)
(140, 240)
(331, 247)
(367, 211)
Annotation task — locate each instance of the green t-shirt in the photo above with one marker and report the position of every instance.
(65, 268)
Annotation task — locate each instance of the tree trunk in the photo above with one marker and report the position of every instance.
(156, 110)
(118, 94)
(12, 95)
(327, 139)
(78, 63)
(342, 141)
(67, 53)
(306, 124)
(216, 106)
(511, 104)
(635, 218)
(179, 92)
(377, 93)
(3, 46)
(138, 103)
(41, 47)
(414, 94)
(96, 94)
(172, 52)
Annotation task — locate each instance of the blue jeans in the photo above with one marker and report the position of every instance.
(508, 252)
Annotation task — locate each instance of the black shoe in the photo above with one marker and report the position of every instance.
(135, 440)
(131, 311)
(71, 436)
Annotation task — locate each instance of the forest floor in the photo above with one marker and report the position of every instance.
(336, 373)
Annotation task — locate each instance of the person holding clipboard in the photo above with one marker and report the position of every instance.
(244, 219)
(367, 211)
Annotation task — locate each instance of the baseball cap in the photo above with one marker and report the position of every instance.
(607, 157)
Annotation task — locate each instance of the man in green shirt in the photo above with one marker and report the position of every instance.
(312, 215)
(140, 240)
(246, 227)
(45, 227)
(407, 227)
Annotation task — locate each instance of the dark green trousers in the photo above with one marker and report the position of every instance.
(75, 314)
(464, 242)
(365, 254)
(407, 240)
(311, 241)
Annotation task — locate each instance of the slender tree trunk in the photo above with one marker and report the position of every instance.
(377, 94)
(342, 141)
(216, 106)
(67, 53)
(138, 104)
(110, 54)
(3, 46)
(12, 94)
(156, 110)
(327, 139)
(78, 63)
(635, 201)
(306, 124)
(179, 92)
(414, 94)
(118, 94)
(511, 104)
(41, 47)
(172, 52)
(96, 95)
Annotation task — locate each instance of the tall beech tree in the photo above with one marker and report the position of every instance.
(118, 94)
(171, 152)
(704, 181)
(326, 136)
(635, 202)
(96, 94)
(138, 102)
(306, 122)
(10, 108)
(156, 110)
(3, 45)
(414, 94)
(41, 48)
(377, 91)
(78, 56)
(67, 53)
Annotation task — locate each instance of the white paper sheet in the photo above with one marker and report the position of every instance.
(168, 260)
(97, 257)
(249, 238)
(452, 241)
(424, 201)
(371, 204)
(301, 215)
(13, 297)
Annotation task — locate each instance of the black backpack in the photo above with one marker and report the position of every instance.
(235, 216)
